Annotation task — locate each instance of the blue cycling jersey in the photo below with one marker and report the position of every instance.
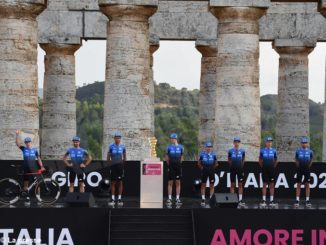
(236, 156)
(77, 155)
(116, 153)
(304, 156)
(174, 152)
(268, 155)
(207, 158)
(30, 155)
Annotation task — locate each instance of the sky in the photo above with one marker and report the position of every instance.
(178, 63)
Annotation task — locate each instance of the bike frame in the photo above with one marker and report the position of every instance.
(38, 175)
(35, 182)
(38, 178)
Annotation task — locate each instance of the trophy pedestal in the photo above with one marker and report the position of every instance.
(151, 183)
(151, 179)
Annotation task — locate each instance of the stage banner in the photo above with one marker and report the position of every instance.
(284, 183)
(93, 175)
(98, 170)
(258, 227)
(46, 226)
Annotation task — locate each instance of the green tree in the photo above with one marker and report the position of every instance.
(176, 111)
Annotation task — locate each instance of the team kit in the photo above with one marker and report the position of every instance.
(77, 158)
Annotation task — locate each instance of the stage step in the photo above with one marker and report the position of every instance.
(151, 226)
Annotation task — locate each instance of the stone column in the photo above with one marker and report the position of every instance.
(207, 94)
(324, 128)
(127, 102)
(154, 45)
(237, 70)
(59, 100)
(293, 91)
(322, 10)
(18, 73)
(322, 7)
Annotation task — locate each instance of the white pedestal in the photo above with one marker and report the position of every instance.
(151, 183)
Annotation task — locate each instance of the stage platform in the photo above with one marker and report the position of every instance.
(187, 203)
(188, 224)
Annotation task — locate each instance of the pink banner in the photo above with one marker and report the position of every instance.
(152, 169)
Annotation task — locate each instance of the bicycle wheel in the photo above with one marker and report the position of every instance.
(47, 191)
(10, 191)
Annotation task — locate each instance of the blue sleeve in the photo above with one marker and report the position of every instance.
(182, 150)
(167, 150)
(215, 157)
(36, 153)
(68, 152)
(296, 154)
(261, 154)
(124, 149)
(22, 148)
(311, 154)
(201, 157)
(243, 154)
(110, 149)
(275, 155)
(229, 154)
(85, 152)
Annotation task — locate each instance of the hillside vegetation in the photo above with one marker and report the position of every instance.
(176, 111)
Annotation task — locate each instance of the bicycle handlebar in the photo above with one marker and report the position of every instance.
(40, 171)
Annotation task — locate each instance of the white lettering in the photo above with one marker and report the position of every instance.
(38, 238)
(65, 237)
(51, 236)
(24, 238)
(98, 177)
(60, 177)
(251, 181)
(260, 180)
(5, 235)
(228, 182)
(314, 181)
(217, 180)
(323, 183)
(281, 181)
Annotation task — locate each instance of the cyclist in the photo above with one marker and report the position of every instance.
(77, 165)
(268, 163)
(236, 159)
(32, 161)
(174, 158)
(116, 157)
(303, 160)
(207, 163)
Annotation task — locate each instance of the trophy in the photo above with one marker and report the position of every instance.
(152, 142)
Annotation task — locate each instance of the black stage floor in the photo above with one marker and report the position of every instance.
(187, 203)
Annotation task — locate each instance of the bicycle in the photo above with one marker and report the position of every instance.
(47, 190)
